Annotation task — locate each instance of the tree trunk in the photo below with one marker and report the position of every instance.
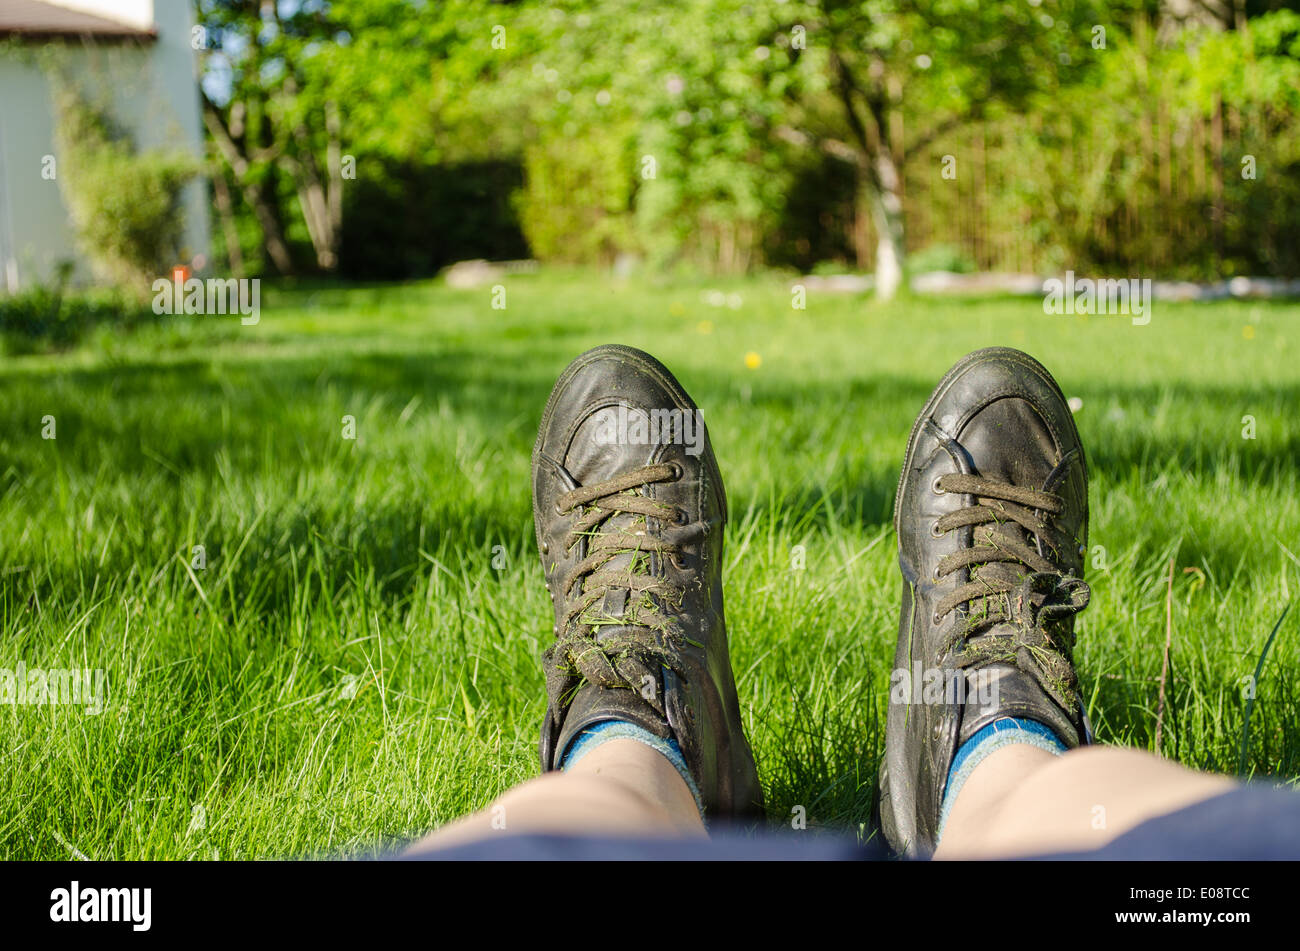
(226, 212)
(255, 194)
(884, 195)
(880, 186)
(320, 194)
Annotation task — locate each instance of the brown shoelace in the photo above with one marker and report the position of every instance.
(623, 659)
(1011, 582)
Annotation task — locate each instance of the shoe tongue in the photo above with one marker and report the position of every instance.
(606, 444)
(1001, 690)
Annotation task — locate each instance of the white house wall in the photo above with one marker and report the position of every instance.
(154, 94)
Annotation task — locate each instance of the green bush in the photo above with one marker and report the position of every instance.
(45, 318)
(941, 257)
(125, 205)
(577, 204)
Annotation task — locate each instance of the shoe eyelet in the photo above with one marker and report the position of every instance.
(678, 471)
(934, 486)
(546, 546)
(558, 510)
(1083, 551)
(937, 619)
(935, 532)
(683, 516)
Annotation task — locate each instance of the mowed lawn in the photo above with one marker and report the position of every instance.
(352, 659)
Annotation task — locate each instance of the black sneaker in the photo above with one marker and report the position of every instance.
(629, 509)
(992, 523)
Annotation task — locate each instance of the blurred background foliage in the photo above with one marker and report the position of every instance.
(387, 138)
(124, 202)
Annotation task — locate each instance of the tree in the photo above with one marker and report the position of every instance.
(860, 68)
(719, 89)
(655, 120)
(287, 83)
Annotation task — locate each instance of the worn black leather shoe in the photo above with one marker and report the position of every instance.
(629, 508)
(992, 522)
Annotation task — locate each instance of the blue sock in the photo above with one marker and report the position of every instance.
(1008, 731)
(606, 730)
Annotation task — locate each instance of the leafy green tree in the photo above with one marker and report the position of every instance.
(295, 90)
(875, 82)
(662, 117)
(721, 91)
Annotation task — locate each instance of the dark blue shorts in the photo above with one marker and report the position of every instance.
(1253, 822)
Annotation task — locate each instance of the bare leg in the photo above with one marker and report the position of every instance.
(621, 788)
(1023, 800)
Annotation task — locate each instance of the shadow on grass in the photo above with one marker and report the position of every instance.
(262, 415)
(820, 761)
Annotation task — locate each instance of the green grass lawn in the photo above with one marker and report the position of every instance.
(357, 662)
